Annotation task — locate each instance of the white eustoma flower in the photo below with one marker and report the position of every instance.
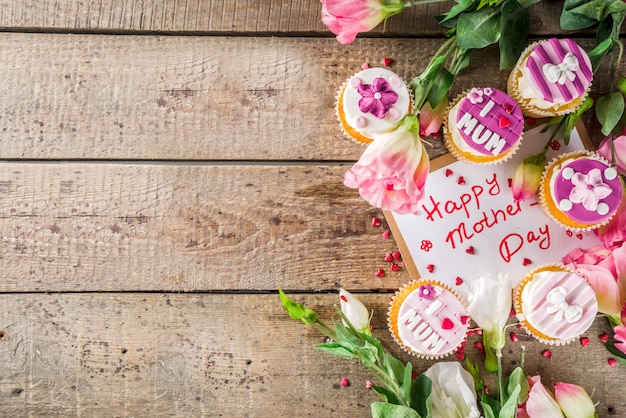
(453, 394)
(489, 302)
(355, 311)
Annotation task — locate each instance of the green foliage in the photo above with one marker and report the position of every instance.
(297, 310)
(479, 28)
(515, 24)
(609, 110)
(388, 410)
(421, 396)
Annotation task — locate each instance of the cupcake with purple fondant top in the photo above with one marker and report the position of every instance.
(551, 78)
(483, 126)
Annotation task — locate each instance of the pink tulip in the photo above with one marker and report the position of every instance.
(620, 335)
(528, 176)
(540, 403)
(619, 143)
(431, 119)
(574, 401)
(392, 171)
(347, 18)
(613, 234)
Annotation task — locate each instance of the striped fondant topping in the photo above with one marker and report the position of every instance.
(560, 70)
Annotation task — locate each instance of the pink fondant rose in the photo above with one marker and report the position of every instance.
(347, 18)
(377, 98)
(392, 171)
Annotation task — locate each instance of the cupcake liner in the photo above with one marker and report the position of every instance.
(466, 157)
(549, 206)
(517, 304)
(530, 110)
(350, 132)
(394, 309)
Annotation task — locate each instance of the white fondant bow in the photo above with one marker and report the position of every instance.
(561, 309)
(563, 71)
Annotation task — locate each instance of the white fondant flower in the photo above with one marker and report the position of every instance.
(475, 95)
(453, 392)
(589, 189)
(489, 305)
(355, 311)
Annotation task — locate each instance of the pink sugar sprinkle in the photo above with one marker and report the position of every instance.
(387, 61)
(514, 337)
(460, 355)
(365, 65)
(584, 341)
(512, 313)
(458, 281)
(461, 180)
(612, 362)
(388, 257)
(479, 346)
(395, 267)
(448, 172)
(397, 256)
(519, 326)
(380, 273)
(604, 337)
(386, 235)
(368, 384)
(430, 268)
(344, 382)
(375, 221)
(510, 181)
(526, 262)
(547, 353)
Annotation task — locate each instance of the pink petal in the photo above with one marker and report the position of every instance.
(605, 287)
(540, 402)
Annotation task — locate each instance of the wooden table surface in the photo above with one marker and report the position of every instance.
(166, 166)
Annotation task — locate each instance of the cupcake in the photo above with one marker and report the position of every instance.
(427, 319)
(371, 102)
(483, 126)
(580, 190)
(554, 304)
(551, 78)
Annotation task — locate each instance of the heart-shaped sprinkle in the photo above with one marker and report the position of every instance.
(503, 122)
(604, 337)
(365, 65)
(397, 256)
(447, 324)
(584, 341)
(380, 273)
(547, 353)
(344, 382)
(460, 355)
(458, 281)
(386, 234)
(395, 267)
(461, 180)
(430, 268)
(448, 172)
(514, 337)
(387, 61)
(470, 250)
(569, 233)
(612, 362)
(579, 236)
(508, 108)
(375, 221)
(388, 257)
(526, 262)
(464, 319)
(479, 346)
(511, 313)
(510, 182)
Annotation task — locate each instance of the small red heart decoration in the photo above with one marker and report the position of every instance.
(464, 319)
(470, 250)
(380, 273)
(459, 281)
(448, 172)
(508, 108)
(387, 61)
(447, 324)
(395, 267)
(388, 257)
(430, 268)
(503, 122)
(579, 236)
(375, 221)
(461, 180)
(526, 262)
(569, 233)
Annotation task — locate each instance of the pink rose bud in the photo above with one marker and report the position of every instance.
(528, 176)
(431, 119)
(574, 401)
(619, 144)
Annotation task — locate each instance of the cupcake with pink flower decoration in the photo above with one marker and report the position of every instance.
(483, 126)
(428, 319)
(372, 102)
(580, 190)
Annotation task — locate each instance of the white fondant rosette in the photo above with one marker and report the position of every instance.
(554, 304)
(361, 135)
(558, 210)
(428, 319)
(455, 146)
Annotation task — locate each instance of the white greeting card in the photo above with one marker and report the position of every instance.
(469, 225)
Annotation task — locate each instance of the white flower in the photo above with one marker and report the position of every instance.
(490, 305)
(355, 311)
(453, 392)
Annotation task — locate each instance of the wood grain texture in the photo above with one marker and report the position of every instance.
(196, 98)
(75, 227)
(217, 355)
(236, 16)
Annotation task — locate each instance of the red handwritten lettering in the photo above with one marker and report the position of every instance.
(461, 232)
(495, 186)
(510, 245)
(435, 210)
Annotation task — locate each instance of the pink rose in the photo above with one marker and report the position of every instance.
(619, 143)
(540, 402)
(347, 18)
(620, 335)
(392, 171)
(613, 234)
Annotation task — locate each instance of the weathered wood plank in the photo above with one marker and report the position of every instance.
(195, 98)
(198, 16)
(72, 227)
(217, 355)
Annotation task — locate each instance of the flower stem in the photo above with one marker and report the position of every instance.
(409, 3)
(500, 387)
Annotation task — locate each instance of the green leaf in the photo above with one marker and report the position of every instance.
(464, 61)
(387, 410)
(337, 349)
(421, 395)
(394, 367)
(373, 341)
(517, 379)
(297, 310)
(600, 51)
(368, 354)
(440, 86)
(474, 370)
(509, 409)
(574, 21)
(527, 3)
(615, 351)
(596, 10)
(514, 26)
(346, 337)
(460, 7)
(478, 29)
(609, 110)
(487, 410)
(621, 125)
(492, 404)
(386, 394)
(407, 382)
